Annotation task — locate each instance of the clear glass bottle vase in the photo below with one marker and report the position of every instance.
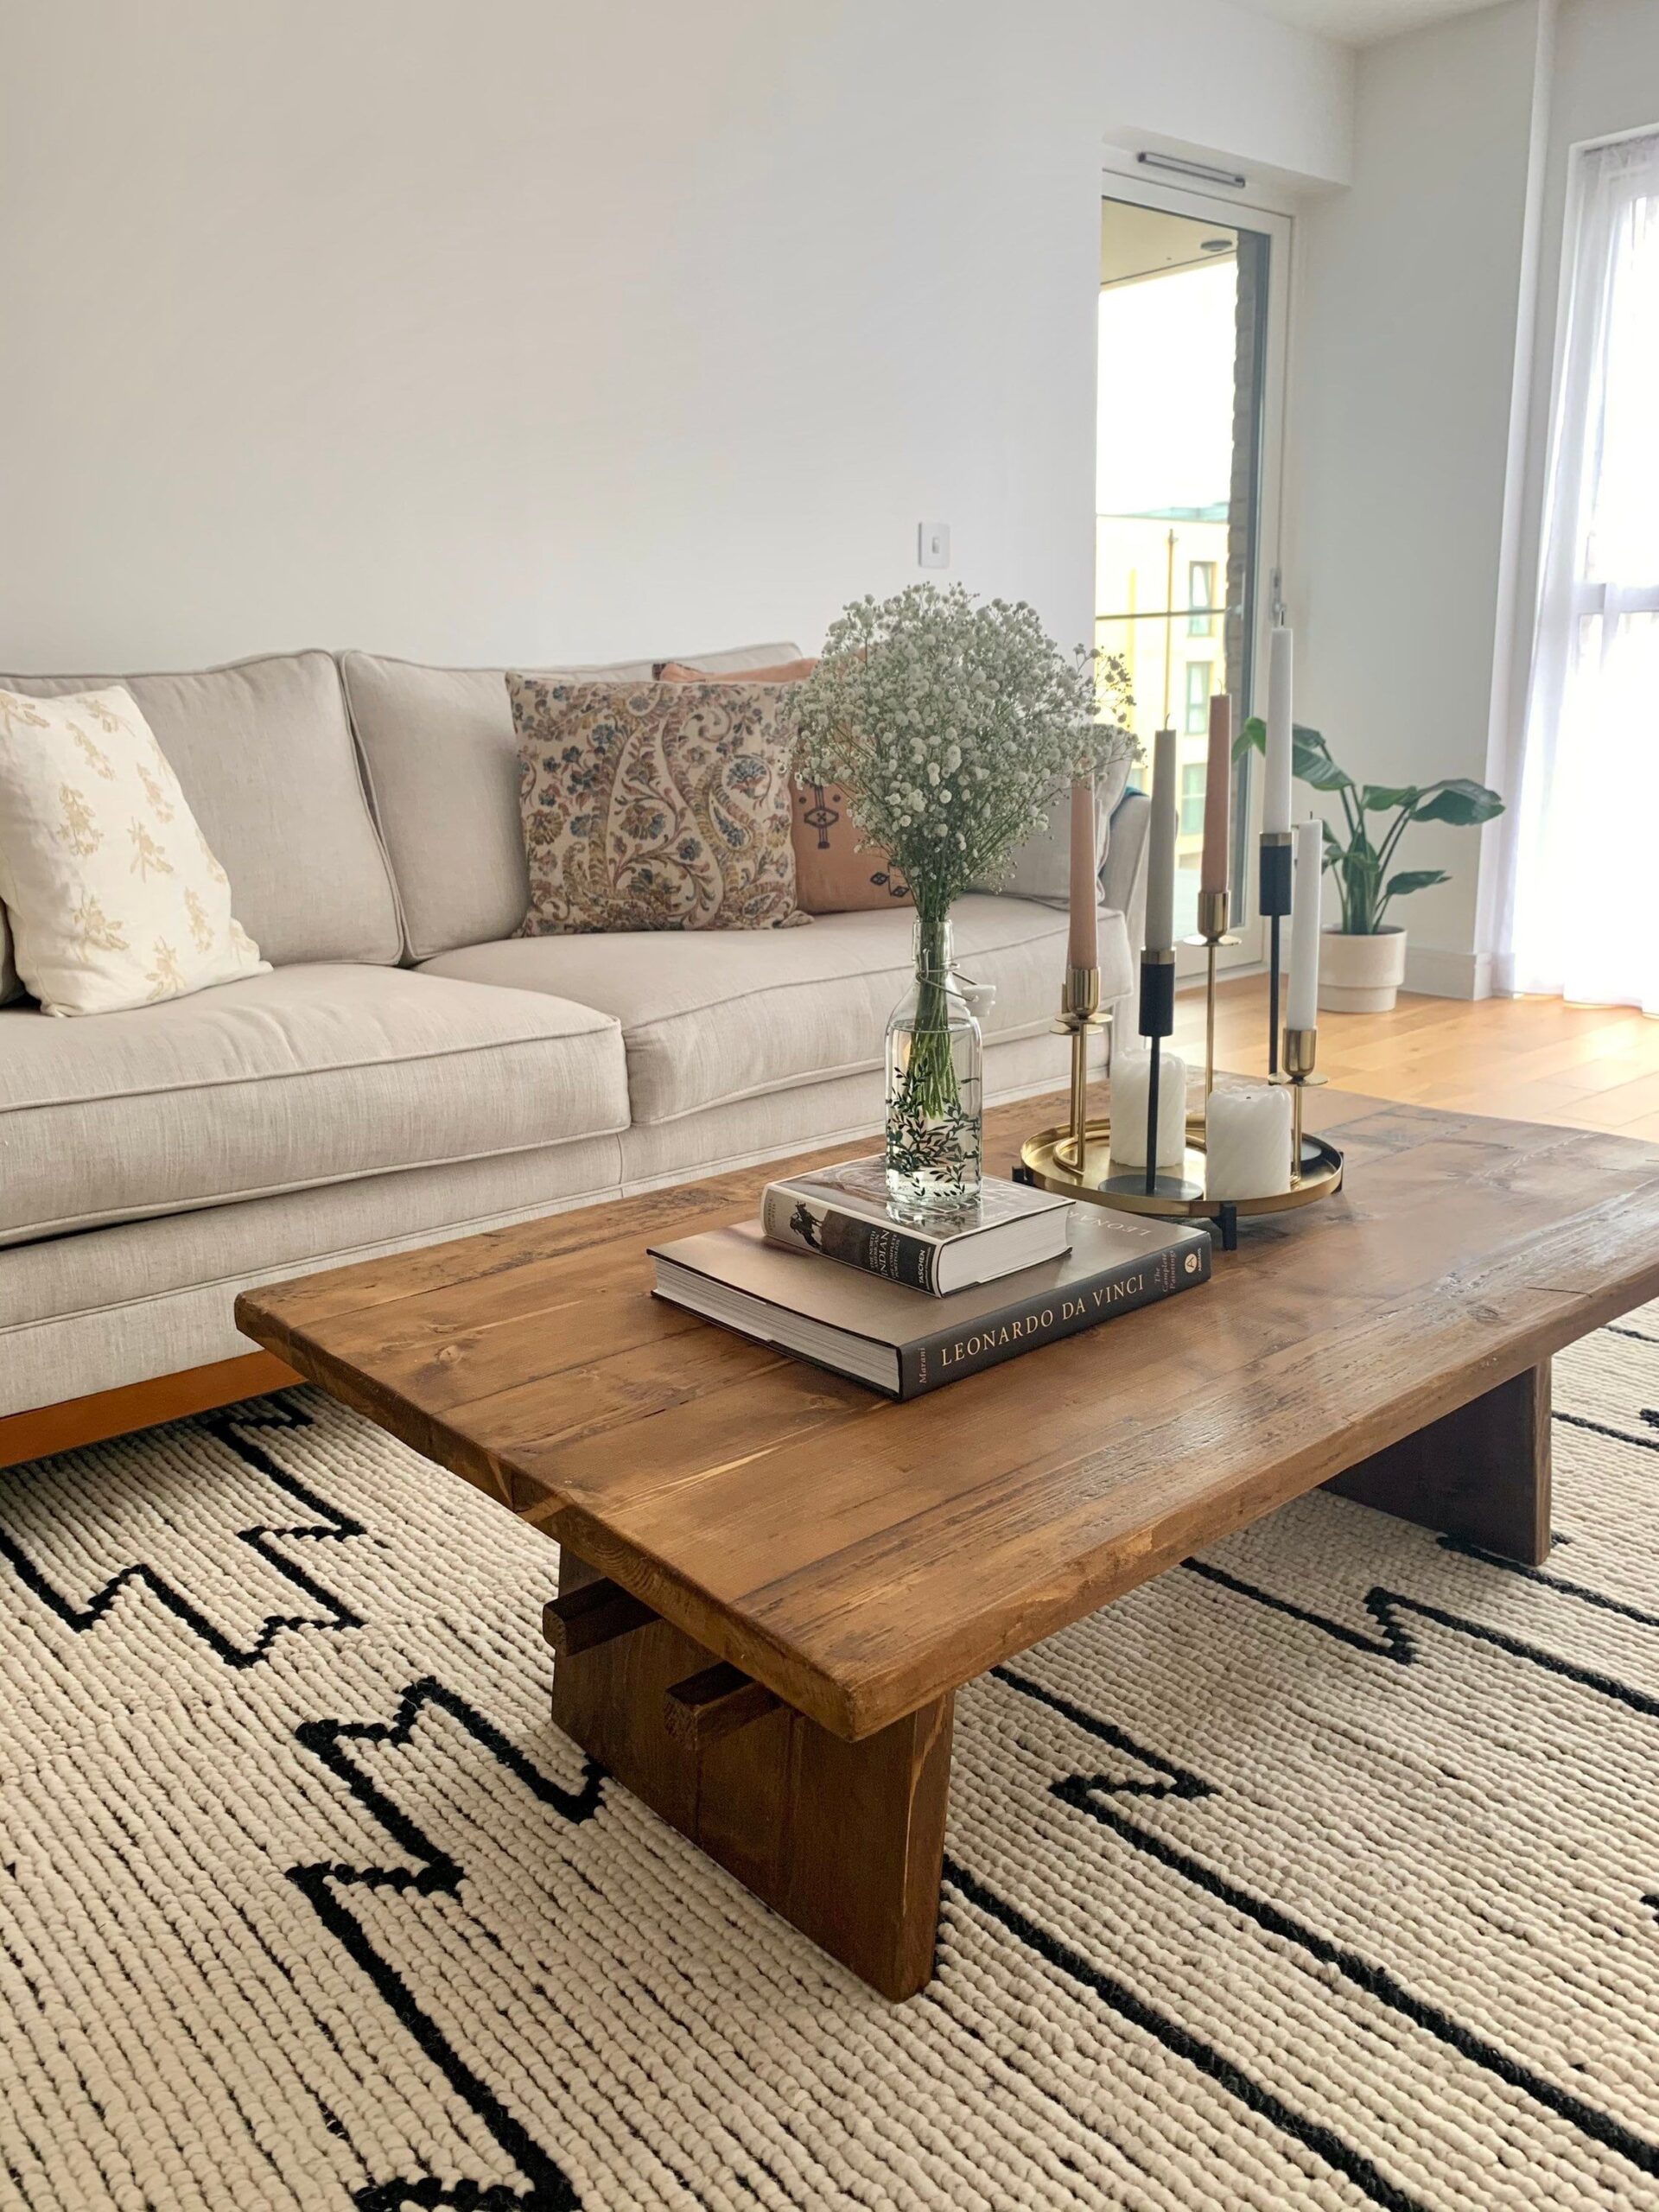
(935, 1086)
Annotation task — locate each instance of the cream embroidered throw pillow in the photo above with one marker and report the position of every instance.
(113, 896)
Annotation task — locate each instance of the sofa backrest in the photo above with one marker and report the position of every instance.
(263, 749)
(442, 766)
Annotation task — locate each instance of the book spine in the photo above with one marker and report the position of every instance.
(874, 1247)
(931, 1361)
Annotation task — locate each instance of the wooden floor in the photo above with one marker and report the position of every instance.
(1532, 1059)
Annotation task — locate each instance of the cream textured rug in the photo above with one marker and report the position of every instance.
(1324, 1872)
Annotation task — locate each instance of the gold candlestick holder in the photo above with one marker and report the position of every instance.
(1212, 934)
(1301, 1053)
(1080, 1018)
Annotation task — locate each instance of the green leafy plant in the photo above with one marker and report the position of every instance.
(1362, 861)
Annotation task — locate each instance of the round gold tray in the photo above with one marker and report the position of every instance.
(1180, 1196)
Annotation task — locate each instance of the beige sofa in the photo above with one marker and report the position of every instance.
(409, 1070)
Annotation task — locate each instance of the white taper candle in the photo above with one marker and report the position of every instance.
(1275, 795)
(1160, 847)
(1303, 1009)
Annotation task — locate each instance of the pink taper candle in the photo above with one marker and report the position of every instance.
(1084, 949)
(1218, 797)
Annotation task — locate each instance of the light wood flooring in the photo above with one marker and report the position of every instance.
(1531, 1060)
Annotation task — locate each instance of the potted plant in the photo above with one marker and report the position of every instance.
(949, 723)
(1362, 963)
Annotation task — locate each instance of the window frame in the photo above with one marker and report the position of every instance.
(1201, 603)
(1121, 179)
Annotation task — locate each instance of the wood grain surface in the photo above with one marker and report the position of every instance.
(863, 1559)
(1481, 1473)
(846, 1840)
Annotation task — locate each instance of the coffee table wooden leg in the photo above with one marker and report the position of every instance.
(1481, 1473)
(844, 1840)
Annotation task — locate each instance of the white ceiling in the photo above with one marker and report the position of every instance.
(1358, 22)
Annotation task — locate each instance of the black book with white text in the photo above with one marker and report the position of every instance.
(843, 1214)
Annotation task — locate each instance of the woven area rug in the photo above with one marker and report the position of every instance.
(1322, 1871)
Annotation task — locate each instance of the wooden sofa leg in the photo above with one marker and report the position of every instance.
(46, 1429)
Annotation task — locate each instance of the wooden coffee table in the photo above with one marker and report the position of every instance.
(773, 1581)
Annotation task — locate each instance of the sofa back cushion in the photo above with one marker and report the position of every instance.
(442, 764)
(263, 750)
(1041, 868)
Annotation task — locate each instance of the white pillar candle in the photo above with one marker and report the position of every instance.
(1246, 1143)
(1131, 1078)
(1275, 795)
(1160, 847)
(1303, 1009)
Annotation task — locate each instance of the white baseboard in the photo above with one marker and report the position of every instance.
(1444, 975)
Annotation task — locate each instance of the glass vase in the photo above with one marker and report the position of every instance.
(935, 1084)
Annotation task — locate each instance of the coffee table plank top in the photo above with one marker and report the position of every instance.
(861, 1557)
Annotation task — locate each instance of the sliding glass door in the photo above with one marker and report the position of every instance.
(1187, 485)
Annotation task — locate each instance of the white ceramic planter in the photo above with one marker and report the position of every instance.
(1361, 975)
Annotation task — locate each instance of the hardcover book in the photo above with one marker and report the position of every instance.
(843, 1213)
(879, 1334)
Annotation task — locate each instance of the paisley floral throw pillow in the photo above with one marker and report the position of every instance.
(655, 806)
(836, 872)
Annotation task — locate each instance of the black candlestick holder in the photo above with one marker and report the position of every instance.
(1274, 899)
(1157, 1021)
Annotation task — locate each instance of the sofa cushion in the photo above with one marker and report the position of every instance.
(263, 751)
(715, 1016)
(306, 1075)
(839, 1110)
(1041, 868)
(442, 764)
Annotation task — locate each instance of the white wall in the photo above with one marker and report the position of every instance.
(1410, 324)
(569, 327)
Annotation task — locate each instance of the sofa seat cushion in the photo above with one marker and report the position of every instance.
(307, 1076)
(713, 1015)
(263, 751)
(442, 763)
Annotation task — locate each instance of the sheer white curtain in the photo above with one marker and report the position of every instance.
(1585, 918)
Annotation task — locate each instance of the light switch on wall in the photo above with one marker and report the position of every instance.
(933, 544)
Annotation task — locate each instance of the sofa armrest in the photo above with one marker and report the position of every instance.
(1123, 878)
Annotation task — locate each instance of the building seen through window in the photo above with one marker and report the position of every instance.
(1174, 517)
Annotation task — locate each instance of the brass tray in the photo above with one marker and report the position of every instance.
(1045, 1163)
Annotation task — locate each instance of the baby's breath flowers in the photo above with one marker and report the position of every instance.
(953, 725)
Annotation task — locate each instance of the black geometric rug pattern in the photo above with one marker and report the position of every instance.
(1322, 1871)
